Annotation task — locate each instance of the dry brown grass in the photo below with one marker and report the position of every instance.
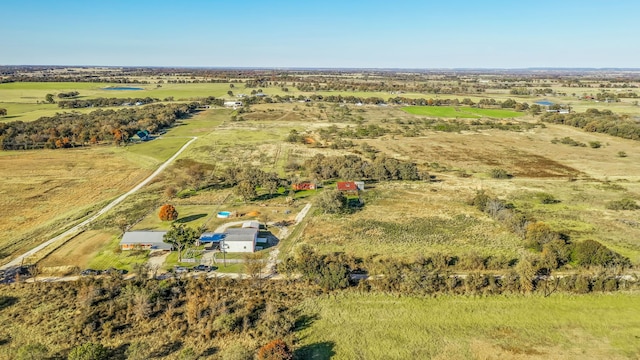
(79, 250)
(44, 191)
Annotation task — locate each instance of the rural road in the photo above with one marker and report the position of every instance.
(80, 227)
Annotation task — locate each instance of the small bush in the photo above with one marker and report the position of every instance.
(623, 204)
(499, 174)
(546, 198)
(622, 154)
(275, 350)
(89, 351)
(595, 144)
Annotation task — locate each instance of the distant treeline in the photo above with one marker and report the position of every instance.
(104, 102)
(73, 129)
(600, 121)
(397, 100)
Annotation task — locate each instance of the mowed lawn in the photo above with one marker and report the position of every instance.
(460, 112)
(372, 326)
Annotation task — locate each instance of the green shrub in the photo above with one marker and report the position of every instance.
(499, 174)
(89, 351)
(623, 204)
(546, 198)
(593, 253)
(622, 154)
(595, 144)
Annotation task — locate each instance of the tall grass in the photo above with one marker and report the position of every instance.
(377, 326)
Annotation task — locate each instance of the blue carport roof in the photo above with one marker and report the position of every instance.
(211, 237)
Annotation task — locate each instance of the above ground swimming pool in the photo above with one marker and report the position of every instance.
(224, 214)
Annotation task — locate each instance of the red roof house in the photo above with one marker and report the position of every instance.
(347, 186)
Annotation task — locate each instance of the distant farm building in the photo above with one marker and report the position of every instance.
(144, 240)
(240, 240)
(304, 186)
(233, 104)
(143, 135)
(348, 186)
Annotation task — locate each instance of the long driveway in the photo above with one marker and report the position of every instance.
(81, 226)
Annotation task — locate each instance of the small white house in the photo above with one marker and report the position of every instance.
(240, 240)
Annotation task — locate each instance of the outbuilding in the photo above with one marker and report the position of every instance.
(144, 240)
(240, 240)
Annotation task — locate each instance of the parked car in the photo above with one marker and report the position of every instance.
(202, 268)
(112, 271)
(88, 272)
(180, 270)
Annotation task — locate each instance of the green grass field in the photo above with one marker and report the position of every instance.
(500, 327)
(460, 112)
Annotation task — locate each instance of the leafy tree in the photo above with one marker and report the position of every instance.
(275, 350)
(33, 351)
(253, 264)
(332, 202)
(3, 112)
(49, 98)
(538, 234)
(246, 190)
(334, 276)
(89, 351)
(181, 236)
(168, 213)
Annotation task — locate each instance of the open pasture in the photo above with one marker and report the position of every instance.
(47, 190)
(405, 220)
(374, 326)
(460, 112)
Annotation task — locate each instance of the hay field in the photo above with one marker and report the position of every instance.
(374, 326)
(460, 112)
(47, 190)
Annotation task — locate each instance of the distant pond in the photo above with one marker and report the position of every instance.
(122, 88)
(544, 103)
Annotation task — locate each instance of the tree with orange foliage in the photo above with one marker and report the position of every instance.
(168, 213)
(275, 350)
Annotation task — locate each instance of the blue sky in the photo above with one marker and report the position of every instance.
(361, 34)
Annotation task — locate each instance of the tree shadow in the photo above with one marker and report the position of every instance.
(190, 218)
(167, 349)
(265, 197)
(316, 351)
(6, 301)
(210, 351)
(5, 341)
(304, 321)
(119, 353)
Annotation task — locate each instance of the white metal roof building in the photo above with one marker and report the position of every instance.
(240, 240)
(144, 240)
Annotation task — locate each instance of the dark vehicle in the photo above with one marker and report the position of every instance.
(202, 268)
(113, 271)
(89, 272)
